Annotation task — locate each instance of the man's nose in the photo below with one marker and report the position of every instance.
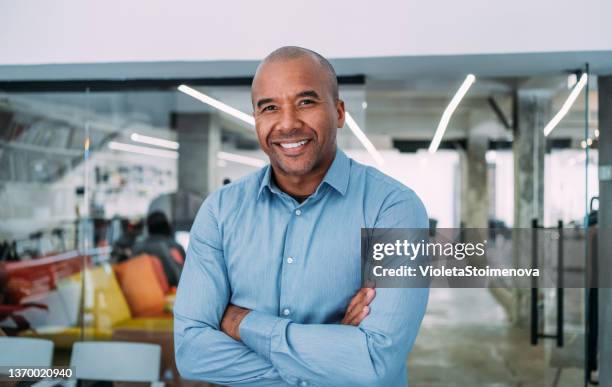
(289, 119)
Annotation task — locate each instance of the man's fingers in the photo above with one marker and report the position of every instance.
(363, 298)
(356, 299)
(370, 293)
(360, 316)
(356, 304)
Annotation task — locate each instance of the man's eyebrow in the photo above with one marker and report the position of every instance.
(305, 93)
(308, 93)
(263, 101)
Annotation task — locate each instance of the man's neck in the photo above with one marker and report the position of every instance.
(301, 185)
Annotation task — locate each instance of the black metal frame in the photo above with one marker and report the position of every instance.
(535, 313)
(81, 85)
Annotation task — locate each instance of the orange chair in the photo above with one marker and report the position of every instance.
(144, 285)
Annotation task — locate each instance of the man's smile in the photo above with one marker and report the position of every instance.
(293, 147)
(293, 144)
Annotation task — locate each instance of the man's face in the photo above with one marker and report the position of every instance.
(296, 115)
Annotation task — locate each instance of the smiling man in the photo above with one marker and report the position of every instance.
(270, 292)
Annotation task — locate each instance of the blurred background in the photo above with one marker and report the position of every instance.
(497, 118)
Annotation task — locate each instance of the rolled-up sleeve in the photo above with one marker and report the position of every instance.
(203, 352)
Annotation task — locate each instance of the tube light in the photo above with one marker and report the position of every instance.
(365, 141)
(143, 150)
(566, 105)
(252, 161)
(448, 112)
(249, 119)
(154, 141)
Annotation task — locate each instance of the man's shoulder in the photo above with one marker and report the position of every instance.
(388, 192)
(381, 182)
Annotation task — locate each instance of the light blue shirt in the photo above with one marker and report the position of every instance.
(296, 266)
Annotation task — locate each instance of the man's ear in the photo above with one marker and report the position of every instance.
(341, 113)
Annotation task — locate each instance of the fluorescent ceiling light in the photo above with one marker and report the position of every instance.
(448, 112)
(364, 139)
(566, 105)
(143, 150)
(154, 141)
(217, 104)
(252, 161)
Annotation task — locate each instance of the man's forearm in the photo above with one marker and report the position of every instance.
(334, 354)
(204, 353)
(330, 354)
(356, 311)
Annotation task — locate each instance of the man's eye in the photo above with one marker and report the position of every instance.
(268, 108)
(306, 102)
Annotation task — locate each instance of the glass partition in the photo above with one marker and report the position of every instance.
(100, 189)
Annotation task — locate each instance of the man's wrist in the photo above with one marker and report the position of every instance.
(233, 316)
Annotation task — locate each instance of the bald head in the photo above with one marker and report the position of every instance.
(289, 53)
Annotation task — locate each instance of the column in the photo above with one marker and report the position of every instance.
(199, 139)
(529, 145)
(475, 187)
(534, 112)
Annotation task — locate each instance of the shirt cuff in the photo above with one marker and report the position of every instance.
(256, 330)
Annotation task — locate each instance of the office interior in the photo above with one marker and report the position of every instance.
(90, 153)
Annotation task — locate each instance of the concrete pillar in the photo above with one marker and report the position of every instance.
(474, 186)
(199, 139)
(534, 112)
(605, 228)
(213, 147)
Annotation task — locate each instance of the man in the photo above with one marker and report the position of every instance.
(269, 295)
(160, 242)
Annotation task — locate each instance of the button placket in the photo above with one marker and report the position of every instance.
(288, 271)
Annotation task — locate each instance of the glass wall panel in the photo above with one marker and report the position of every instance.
(100, 189)
(45, 230)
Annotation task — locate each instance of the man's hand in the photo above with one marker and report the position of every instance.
(359, 308)
(230, 323)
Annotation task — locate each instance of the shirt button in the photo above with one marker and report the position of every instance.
(286, 311)
(290, 260)
(298, 212)
(303, 383)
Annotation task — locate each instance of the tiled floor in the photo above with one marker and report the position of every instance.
(466, 340)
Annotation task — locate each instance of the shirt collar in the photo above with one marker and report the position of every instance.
(337, 175)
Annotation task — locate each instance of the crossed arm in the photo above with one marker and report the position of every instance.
(254, 347)
(251, 347)
(207, 342)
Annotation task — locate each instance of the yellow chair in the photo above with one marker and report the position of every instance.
(104, 309)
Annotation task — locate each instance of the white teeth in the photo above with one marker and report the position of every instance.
(293, 144)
